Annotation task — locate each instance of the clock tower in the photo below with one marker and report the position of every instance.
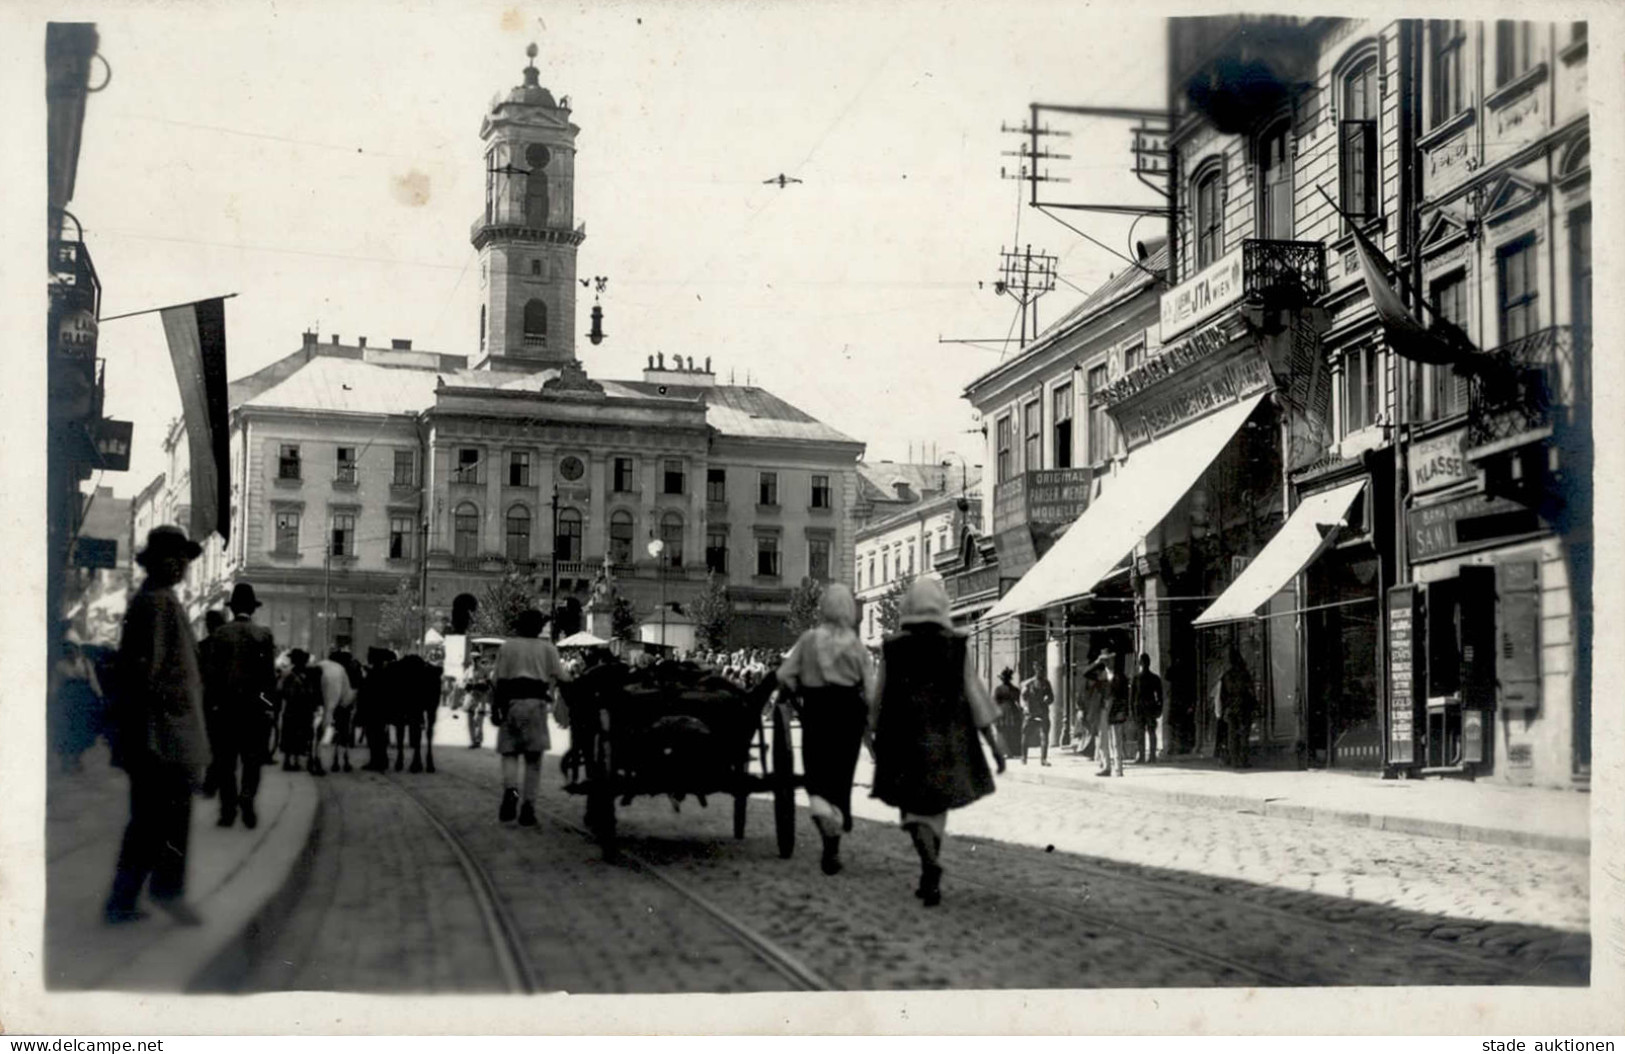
(527, 235)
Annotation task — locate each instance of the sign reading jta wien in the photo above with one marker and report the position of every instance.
(1210, 291)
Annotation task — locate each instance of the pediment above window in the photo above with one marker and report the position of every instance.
(1511, 196)
(1443, 232)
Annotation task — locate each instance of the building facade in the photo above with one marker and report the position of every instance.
(363, 475)
(1395, 547)
(903, 543)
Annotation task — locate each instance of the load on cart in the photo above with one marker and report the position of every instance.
(676, 730)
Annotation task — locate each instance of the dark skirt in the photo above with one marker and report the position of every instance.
(298, 731)
(76, 719)
(928, 756)
(833, 720)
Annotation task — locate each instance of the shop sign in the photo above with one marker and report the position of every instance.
(94, 553)
(972, 583)
(1213, 289)
(1439, 461)
(1016, 550)
(1167, 361)
(76, 331)
(1403, 648)
(1214, 390)
(113, 443)
(1437, 530)
(1041, 497)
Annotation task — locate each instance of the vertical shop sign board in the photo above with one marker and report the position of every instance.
(1517, 652)
(1404, 663)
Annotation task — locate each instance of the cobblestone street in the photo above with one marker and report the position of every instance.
(1046, 887)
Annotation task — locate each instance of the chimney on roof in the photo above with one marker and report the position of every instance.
(401, 345)
(310, 340)
(900, 487)
(335, 338)
(361, 342)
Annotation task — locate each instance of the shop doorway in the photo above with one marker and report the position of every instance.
(1342, 713)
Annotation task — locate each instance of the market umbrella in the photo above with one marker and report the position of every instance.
(582, 640)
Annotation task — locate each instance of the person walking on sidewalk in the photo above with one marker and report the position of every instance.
(160, 741)
(76, 704)
(1114, 715)
(1238, 704)
(213, 619)
(301, 694)
(929, 707)
(1012, 718)
(830, 670)
(527, 670)
(1036, 698)
(239, 674)
(1145, 697)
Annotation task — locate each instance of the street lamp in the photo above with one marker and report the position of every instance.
(657, 549)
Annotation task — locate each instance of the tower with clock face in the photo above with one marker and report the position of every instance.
(527, 235)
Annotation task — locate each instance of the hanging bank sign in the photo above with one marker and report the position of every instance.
(1210, 291)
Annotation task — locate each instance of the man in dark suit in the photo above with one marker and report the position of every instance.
(240, 673)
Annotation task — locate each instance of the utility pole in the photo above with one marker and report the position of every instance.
(327, 597)
(1026, 276)
(423, 585)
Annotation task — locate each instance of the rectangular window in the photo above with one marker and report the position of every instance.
(1361, 398)
(343, 632)
(623, 475)
(1099, 437)
(1002, 432)
(1032, 445)
(1518, 288)
(767, 556)
(518, 468)
(405, 469)
(400, 537)
(820, 492)
(910, 558)
(767, 488)
(345, 472)
(1062, 403)
(673, 477)
(1447, 393)
(1209, 221)
(467, 469)
(287, 462)
(518, 535)
(465, 532)
(818, 559)
(716, 485)
(343, 534)
(1445, 40)
(716, 551)
(287, 533)
(1275, 182)
(1357, 165)
(1514, 44)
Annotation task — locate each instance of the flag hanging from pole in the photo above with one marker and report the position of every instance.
(197, 348)
(1441, 344)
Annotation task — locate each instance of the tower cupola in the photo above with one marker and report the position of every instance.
(527, 236)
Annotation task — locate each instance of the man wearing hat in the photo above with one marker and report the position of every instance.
(159, 736)
(241, 677)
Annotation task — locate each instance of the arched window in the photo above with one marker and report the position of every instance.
(518, 533)
(671, 532)
(620, 537)
(465, 530)
(1275, 181)
(535, 323)
(1209, 219)
(536, 159)
(567, 546)
(1358, 163)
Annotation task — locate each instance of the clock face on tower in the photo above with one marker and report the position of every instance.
(571, 468)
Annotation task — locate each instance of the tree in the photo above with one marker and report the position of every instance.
(400, 618)
(504, 601)
(804, 605)
(891, 605)
(623, 618)
(713, 612)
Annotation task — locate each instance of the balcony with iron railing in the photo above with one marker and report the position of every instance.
(1281, 273)
(1523, 392)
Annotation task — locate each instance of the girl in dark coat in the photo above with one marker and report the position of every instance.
(931, 706)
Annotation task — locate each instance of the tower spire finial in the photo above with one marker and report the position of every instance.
(531, 75)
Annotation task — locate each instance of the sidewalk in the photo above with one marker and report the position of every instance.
(233, 876)
(1460, 810)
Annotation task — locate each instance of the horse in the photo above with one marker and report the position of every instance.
(412, 696)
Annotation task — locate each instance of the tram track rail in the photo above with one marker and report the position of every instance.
(801, 976)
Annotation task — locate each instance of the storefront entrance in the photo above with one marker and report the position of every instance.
(1343, 718)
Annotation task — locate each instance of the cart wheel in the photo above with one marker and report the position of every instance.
(741, 800)
(784, 784)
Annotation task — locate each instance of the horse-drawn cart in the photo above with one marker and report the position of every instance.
(676, 731)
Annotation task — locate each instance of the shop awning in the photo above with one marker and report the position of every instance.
(1146, 490)
(1310, 528)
